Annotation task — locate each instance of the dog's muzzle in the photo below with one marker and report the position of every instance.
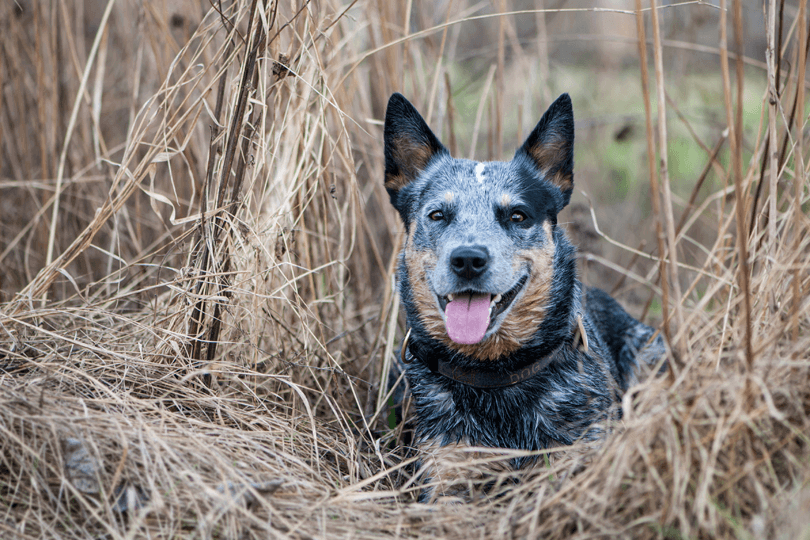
(469, 315)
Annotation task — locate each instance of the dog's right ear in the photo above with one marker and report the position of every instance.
(409, 146)
(551, 147)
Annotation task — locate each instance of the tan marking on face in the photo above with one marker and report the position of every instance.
(419, 264)
(527, 312)
(549, 234)
(506, 199)
(449, 196)
(456, 469)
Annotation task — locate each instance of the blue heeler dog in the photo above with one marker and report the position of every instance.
(505, 348)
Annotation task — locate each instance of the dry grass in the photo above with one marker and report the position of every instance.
(195, 253)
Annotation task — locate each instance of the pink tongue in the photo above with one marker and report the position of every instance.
(468, 318)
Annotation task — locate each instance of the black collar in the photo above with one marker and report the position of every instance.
(480, 378)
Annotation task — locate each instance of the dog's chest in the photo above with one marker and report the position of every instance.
(558, 407)
(487, 418)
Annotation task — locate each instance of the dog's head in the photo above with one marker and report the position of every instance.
(478, 265)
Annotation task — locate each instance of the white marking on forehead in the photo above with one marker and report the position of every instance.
(479, 172)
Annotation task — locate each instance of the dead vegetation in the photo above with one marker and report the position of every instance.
(195, 270)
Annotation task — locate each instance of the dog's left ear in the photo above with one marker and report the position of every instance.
(409, 145)
(551, 146)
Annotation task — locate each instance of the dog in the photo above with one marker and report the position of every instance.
(505, 347)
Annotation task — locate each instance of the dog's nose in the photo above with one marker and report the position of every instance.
(469, 262)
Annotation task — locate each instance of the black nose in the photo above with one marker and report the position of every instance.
(469, 262)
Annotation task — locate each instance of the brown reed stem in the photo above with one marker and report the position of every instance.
(499, 80)
(734, 121)
(654, 188)
(799, 181)
(663, 157)
(60, 171)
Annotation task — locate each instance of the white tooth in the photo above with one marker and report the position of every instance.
(497, 298)
(449, 297)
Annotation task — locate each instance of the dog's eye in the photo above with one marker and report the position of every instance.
(436, 215)
(517, 217)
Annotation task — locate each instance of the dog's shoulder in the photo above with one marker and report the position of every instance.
(633, 346)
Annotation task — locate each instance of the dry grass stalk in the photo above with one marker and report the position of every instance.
(655, 190)
(678, 342)
(209, 362)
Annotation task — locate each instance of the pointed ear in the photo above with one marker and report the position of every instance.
(409, 145)
(551, 146)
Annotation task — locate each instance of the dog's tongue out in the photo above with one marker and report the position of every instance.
(468, 318)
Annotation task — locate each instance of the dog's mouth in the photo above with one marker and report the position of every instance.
(469, 315)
